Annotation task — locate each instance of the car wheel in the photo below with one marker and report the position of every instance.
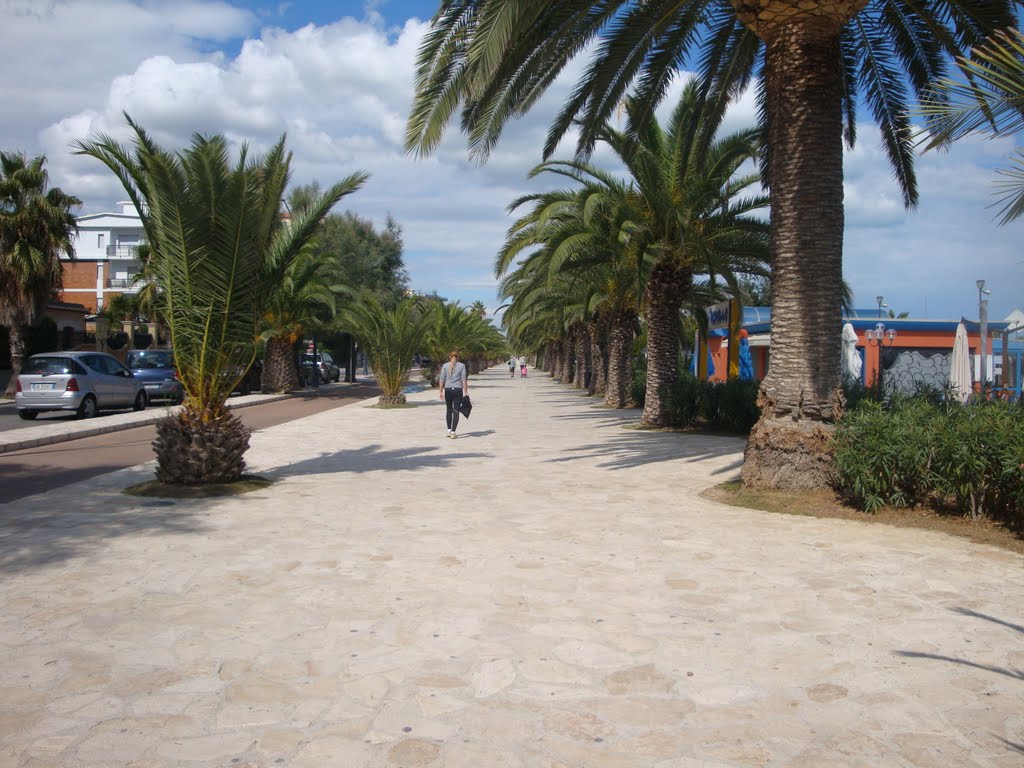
(178, 399)
(88, 409)
(140, 401)
(27, 413)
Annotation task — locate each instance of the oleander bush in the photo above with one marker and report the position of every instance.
(729, 406)
(918, 449)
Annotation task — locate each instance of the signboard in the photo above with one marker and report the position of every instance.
(718, 316)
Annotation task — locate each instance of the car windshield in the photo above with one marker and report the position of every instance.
(142, 359)
(47, 365)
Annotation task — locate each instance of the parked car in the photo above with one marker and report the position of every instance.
(322, 361)
(159, 376)
(84, 382)
(252, 381)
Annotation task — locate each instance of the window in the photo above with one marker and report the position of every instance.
(99, 241)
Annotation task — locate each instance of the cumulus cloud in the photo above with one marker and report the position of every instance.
(341, 90)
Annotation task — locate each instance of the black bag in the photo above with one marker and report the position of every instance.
(466, 407)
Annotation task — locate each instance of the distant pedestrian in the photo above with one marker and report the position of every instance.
(522, 366)
(512, 367)
(453, 386)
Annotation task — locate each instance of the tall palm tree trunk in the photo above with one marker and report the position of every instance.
(598, 363)
(582, 351)
(620, 342)
(280, 373)
(790, 447)
(16, 336)
(663, 296)
(565, 375)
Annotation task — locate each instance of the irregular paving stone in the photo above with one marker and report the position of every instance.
(412, 753)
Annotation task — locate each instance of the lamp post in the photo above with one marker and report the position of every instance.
(880, 337)
(881, 303)
(983, 321)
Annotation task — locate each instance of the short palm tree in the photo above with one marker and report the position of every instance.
(812, 59)
(991, 101)
(391, 337)
(218, 251)
(36, 226)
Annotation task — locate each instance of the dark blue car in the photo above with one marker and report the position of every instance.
(155, 367)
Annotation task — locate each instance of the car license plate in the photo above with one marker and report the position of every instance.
(152, 386)
(37, 386)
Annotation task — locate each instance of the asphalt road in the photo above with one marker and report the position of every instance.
(34, 470)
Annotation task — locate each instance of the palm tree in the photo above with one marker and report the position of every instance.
(304, 300)
(218, 252)
(494, 58)
(36, 225)
(479, 309)
(992, 102)
(688, 213)
(391, 337)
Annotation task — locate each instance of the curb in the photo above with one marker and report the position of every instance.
(76, 430)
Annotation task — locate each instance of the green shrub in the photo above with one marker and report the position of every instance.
(638, 381)
(683, 401)
(882, 457)
(915, 447)
(979, 460)
(730, 406)
(735, 404)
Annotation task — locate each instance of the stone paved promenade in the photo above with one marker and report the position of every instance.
(548, 591)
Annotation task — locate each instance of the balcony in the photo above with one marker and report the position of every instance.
(123, 251)
(121, 284)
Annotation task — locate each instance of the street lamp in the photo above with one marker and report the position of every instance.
(983, 321)
(881, 303)
(880, 337)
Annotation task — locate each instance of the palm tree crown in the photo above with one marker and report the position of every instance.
(36, 226)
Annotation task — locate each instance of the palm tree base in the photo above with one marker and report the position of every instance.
(786, 454)
(398, 399)
(190, 451)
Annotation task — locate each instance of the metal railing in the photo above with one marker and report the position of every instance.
(121, 283)
(123, 251)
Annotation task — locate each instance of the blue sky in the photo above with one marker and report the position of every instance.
(337, 78)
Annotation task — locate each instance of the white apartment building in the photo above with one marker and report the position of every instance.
(106, 257)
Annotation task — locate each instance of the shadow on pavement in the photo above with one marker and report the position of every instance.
(369, 459)
(35, 539)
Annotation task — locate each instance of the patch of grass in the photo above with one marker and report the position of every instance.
(392, 406)
(154, 488)
(825, 504)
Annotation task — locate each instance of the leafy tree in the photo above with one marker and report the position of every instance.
(494, 58)
(36, 225)
(366, 259)
(218, 252)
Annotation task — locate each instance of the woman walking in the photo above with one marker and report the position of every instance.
(453, 386)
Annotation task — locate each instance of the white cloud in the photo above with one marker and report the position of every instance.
(342, 91)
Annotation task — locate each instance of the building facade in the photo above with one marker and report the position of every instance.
(106, 257)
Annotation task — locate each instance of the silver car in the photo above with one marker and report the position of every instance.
(84, 382)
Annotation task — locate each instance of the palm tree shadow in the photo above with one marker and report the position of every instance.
(636, 448)
(33, 539)
(1016, 674)
(371, 458)
(986, 617)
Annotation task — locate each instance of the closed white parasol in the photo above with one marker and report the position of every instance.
(960, 366)
(851, 364)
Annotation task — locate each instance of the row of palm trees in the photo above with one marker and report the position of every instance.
(681, 227)
(814, 64)
(394, 335)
